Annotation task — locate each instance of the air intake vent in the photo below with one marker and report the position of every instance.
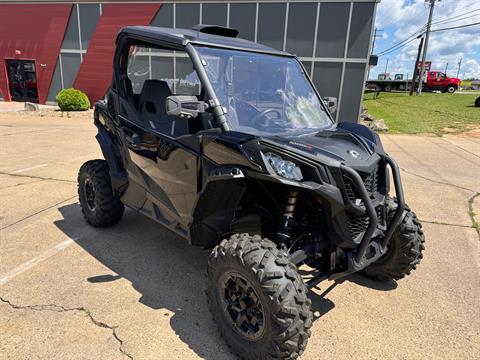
(216, 30)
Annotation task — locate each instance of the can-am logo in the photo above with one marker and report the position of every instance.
(305, 146)
(354, 154)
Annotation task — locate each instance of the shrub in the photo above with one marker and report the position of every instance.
(72, 100)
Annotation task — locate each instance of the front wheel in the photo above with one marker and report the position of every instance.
(451, 89)
(100, 205)
(404, 250)
(258, 299)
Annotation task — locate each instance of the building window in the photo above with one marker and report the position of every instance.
(352, 93)
(71, 40)
(301, 28)
(80, 29)
(308, 67)
(89, 15)
(214, 14)
(271, 24)
(242, 18)
(70, 66)
(164, 16)
(56, 84)
(187, 15)
(332, 29)
(360, 29)
(327, 77)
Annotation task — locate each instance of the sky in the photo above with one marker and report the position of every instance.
(399, 19)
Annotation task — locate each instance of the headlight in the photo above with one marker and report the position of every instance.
(284, 168)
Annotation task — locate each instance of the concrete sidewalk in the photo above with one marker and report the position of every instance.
(69, 291)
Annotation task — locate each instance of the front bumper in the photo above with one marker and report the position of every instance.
(368, 250)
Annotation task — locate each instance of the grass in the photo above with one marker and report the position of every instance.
(433, 113)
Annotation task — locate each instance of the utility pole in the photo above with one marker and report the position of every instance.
(459, 66)
(375, 37)
(415, 69)
(446, 67)
(427, 35)
(373, 47)
(386, 67)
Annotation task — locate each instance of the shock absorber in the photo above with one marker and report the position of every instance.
(283, 233)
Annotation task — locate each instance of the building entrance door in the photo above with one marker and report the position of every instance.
(22, 80)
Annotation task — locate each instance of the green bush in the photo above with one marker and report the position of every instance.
(72, 100)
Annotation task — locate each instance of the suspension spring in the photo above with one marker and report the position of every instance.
(283, 233)
(291, 204)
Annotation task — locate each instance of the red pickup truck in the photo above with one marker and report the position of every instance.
(436, 80)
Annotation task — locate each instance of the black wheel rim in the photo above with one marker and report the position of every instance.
(89, 194)
(242, 306)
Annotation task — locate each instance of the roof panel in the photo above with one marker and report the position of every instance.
(180, 37)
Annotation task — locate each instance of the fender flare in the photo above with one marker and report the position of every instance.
(118, 175)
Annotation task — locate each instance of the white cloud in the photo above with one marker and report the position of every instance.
(403, 18)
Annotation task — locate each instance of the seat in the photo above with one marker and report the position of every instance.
(151, 106)
(153, 96)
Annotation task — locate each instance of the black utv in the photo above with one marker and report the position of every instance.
(228, 144)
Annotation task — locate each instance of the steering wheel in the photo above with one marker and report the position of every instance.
(263, 114)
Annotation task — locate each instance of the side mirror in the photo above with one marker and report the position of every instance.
(331, 103)
(184, 106)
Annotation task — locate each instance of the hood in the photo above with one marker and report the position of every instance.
(337, 144)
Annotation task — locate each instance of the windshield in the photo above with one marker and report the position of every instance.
(263, 93)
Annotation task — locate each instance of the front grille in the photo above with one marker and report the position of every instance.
(369, 180)
(359, 223)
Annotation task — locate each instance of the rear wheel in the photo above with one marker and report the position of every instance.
(258, 299)
(404, 250)
(100, 206)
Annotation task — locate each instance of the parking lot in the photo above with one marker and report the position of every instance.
(69, 291)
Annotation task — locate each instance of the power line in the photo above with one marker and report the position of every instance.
(456, 27)
(452, 18)
(398, 48)
(398, 45)
(457, 20)
(444, 17)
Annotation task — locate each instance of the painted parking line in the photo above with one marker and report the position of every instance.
(29, 168)
(4, 278)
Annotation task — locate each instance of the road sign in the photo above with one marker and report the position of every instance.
(427, 67)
